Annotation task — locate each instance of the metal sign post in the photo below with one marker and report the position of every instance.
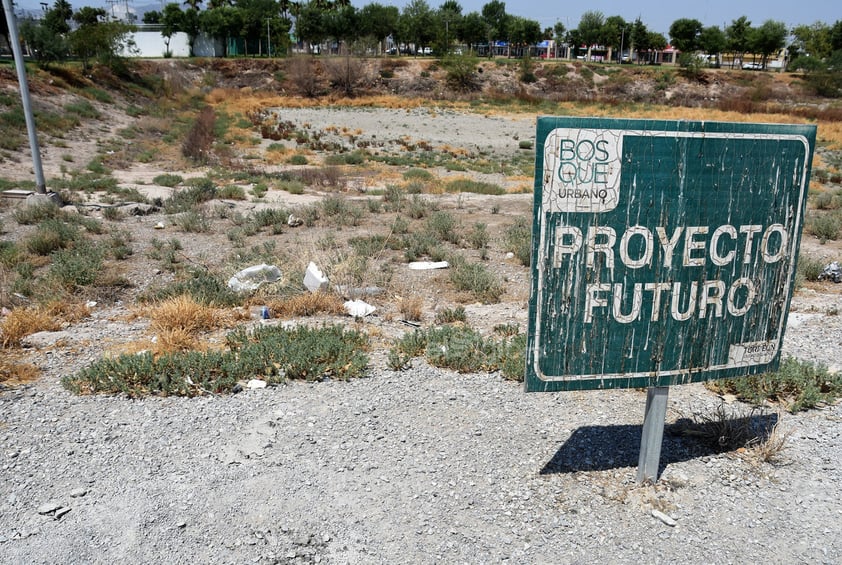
(14, 39)
(663, 253)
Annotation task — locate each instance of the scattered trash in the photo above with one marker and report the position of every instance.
(294, 221)
(159, 226)
(411, 324)
(255, 383)
(358, 308)
(314, 279)
(428, 265)
(48, 507)
(831, 272)
(253, 277)
(510, 255)
(90, 303)
(264, 313)
(663, 518)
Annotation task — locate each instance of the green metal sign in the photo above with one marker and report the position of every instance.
(663, 252)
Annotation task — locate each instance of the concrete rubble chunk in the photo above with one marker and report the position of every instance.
(48, 507)
(314, 279)
(663, 518)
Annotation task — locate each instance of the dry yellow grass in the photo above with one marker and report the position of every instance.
(182, 314)
(306, 304)
(22, 322)
(412, 308)
(13, 372)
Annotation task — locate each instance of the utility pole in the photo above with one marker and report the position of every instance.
(14, 39)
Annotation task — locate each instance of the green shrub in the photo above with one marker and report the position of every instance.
(231, 192)
(201, 190)
(451, 315)
(460, 348)
(193, 222)
(478, 236)
(310, 354)
(808, 269)
(419, 175)
(83, 109)
(442, 225)
(476, 279)
(478, 187)
(168, 179)
(52, 235)
(77, 266)
(518, 240)
(202, 286)
(35, 213)
(798, 385)
(297, 160)
(825, 227)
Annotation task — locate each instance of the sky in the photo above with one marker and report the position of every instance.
(656, 14)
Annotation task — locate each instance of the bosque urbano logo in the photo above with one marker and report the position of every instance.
(581, 170)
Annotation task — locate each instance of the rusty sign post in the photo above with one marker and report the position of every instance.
(663, 252)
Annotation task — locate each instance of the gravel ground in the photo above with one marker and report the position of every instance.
(423, 466)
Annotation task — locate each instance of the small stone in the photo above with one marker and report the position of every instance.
(48, 507)
(181, 524)
(78, 492)
(664, 518)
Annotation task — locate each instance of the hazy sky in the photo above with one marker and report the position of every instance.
(656, 14)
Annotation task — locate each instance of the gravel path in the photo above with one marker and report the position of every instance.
(424, 466)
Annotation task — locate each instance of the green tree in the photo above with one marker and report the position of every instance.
(768, 39)
(524, 32)
(379, 21)
(152, 17)
(222, 23)
(416, 24)
(57, 18)
(96, 38)
(310, 25)
(191, 25)
(47, 46)
(639, 39)
(473, 30)
(614, 34)
(713, 41)
(448, 19)
(591, 29)
(558, 35)
(342, 24)
(172, 20)
(684, 33)
(494, 14)
(813, 40)
(739, 36)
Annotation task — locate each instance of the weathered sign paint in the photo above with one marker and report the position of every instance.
(663, 252)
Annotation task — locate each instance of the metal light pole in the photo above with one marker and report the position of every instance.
(268, 39)
(14, 39)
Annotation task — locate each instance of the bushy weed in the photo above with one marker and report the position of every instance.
(797, 385)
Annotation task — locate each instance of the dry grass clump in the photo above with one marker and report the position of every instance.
(25, 321)
(13, 373)
(411, 308)
(307, 304)
(183, 313)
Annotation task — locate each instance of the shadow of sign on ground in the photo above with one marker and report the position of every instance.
(600, 448)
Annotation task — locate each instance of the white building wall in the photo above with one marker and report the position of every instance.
(151, 44)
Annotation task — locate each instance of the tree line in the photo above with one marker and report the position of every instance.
(89, 32)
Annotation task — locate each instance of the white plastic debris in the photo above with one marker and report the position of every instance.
(252, 277)
(510, 255)
(663, 518)
(359, 308)
(294, 221)
(255, 383)
(314, 279)
(159, 226)
(428, 265)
